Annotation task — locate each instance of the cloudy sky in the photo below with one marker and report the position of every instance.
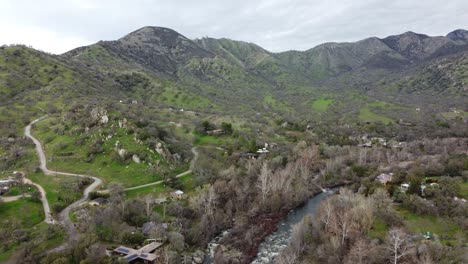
(277, 25)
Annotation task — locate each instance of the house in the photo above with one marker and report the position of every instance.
(98, 201)
(385, 178)
(144, 255)
(177, 194)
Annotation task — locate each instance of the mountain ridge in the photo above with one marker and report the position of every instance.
(163, 50)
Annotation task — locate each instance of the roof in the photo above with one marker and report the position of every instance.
(144, 256)
(143, 253)
(179, 192)
(123, 250)
(150, 247)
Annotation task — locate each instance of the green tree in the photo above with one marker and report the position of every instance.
(227, 127)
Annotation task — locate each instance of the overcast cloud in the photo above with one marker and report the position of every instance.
(277, 25)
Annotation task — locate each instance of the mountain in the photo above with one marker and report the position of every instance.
(154, 48)
(161, 66)
(458, 35)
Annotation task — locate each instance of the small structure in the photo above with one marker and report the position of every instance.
(404, 187)
(367, 144)
(263, 151)
(385, 178)
(134, 102)
(98, 201)
(143, 255)
(248, 155)
(4, 190)
(177, 194)
(428, 235)
(216, 132)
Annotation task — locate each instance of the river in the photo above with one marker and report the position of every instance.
(278, 240)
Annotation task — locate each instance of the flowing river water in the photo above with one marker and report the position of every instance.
(277, 241)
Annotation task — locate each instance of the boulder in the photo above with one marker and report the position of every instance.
(122, 153)
(100, 115)
(136, 159)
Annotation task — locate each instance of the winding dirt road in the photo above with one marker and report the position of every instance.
(192, 163)
(64, 217)
(8, 199)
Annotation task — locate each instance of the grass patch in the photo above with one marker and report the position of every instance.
(275, 104)
(463, 190)
(443, 227)
(43, 236)
(379, 229)
(64, 154)
(321, 105)
(187, 182)
(210, 140)
(155, 190)
(25, 212)
(60, 190)
(366, 114)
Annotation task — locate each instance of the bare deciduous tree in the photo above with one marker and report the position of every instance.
(264, 181)
(398, 244)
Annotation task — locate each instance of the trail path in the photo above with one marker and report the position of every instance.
(7, 199)
(63, 217)
(192, 164)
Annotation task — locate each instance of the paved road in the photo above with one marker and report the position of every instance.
(64, 217)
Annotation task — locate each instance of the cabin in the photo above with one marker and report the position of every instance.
(144, 255)
(178, 194)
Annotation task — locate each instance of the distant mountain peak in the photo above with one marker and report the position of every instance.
(152, 34)
(459, 34)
